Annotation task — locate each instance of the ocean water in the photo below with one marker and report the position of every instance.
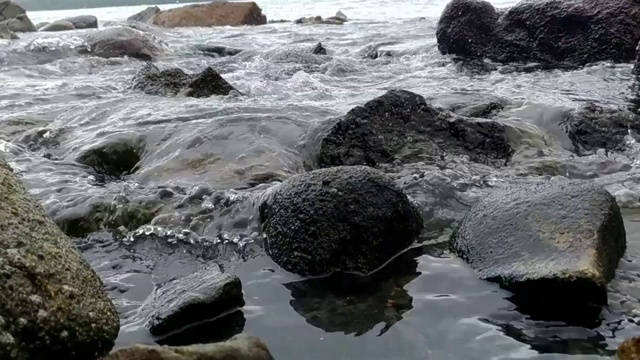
(426, 304)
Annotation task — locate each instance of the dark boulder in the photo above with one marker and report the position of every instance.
(171, 82)
(146, 15)
(555, 241)
(83, 21)
(342, 219)
(123, 41)
(319, 49)
(400, 125)
(547, 31)
(114, 158)
(218, 51)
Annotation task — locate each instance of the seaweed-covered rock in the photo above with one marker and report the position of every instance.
(343, 219)
(146, 15)
(216, 13)
(401, 125)
(113, 158)
(172, 82)
(557, 241)
(240, 347)
(123, 41)
(548, 31)
(83, 21)
(52, 303)
(60, 25)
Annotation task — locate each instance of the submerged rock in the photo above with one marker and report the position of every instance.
(201, 296)
(400, 125)
(123, 41)
(319, 49)
(52, 303)
(20, 23)
(146, 15)
(547, 31)
(60, 25)
(172, 82)
(629, 349)
(556, 241)
(83, 21)
(113, 159)
(239, 347)
(344, 219)
(218, 51)
(211, 14)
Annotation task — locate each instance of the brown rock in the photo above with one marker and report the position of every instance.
(213, 14)
(630, 349)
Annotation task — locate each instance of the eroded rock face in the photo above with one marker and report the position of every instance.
(146, 15)
(83, 21)
(60, 25)
(124, 41)
(211, 14)
(172, 82)
(557, 241)
(52, 303)
(548, 31)
(344, 219)
(400, 125)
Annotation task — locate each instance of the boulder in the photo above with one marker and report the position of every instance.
(6, 34)
(342, 219)
(239, 347)
(52, 303)
(201, 296)
(10, 10)
(146, 15)
(83, 21)
(123, 41)
(554, 241)
(60, 25)
(629, 349)
(21, 23)
(400, 125)
(547, 31)
(172, 82)
(313, 20)
(212, 14)
(319, 49)
(114, 158)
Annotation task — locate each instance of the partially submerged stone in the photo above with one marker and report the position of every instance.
(341, 219)
(113, 158)
(83, 21)
(146, 15)
(171, 82)
(52, 303)
(319, 49)
(124, 41)
(218, 51)
(60, 25)
(211, 14)
(557, 240)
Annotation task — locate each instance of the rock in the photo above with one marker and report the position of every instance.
(342, 219)
(124, 41)
(548, 31)
(171, 82)
(10, 10)
(21, 23)
(279, 21)
(313, 20)
(239, 347)
(6, 34)
(113, 159)
(146, 15)
(319, 49)
(629, 349)
(201, 296)
(60, 25)
(400, 125)
(52, 303)
(83, 21)
(340, 15)
(636, 66)
(40, 25)
(557, 241)
(218, 51)
(375, 53)
(212, 14)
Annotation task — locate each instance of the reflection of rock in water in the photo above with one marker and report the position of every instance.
(353, 304)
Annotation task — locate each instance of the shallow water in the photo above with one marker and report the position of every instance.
(425, 304)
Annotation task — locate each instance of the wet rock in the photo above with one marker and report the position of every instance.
(40, 25)
(52, 303)
(636, 66)
(114, 158)
(60, 25)
(555, 241)
(344, 219)
(340, 15)
(375, 54)
(400, 125)
(6, 34)
(629, 349)
(313, 20)
(472, 105)
(319, 49)
(83, 21)
(21, 23)
(123, 41)
(240, 347)
(201, 296)
(10, 10)
(218, 51)
(279, 21)
(146, 15)
(548, 31)
(212, 14)
(172, 82)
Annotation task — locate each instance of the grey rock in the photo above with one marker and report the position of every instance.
(60, 25)
(343, 219)
(319, 50)
(201, 296)
(218, 51)
(6, 34)
(172, 82)
(124, 41)
(10, 10)
(83, 21)
(340, 15)
(21, 23)
(239, 347)
(40, 25)
(113, 158)
(52, 303)
(547, 241)
(313, 20)
(146, 15)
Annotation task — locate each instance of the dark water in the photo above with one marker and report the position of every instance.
(424, 304)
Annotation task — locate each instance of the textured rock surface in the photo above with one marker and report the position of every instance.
(350, 219)
(123, 41)
(172, 82)
(146, 15)
(319, 49)
(212, 14)
(547, 31)
(52, 304)
(60, 25)
(401, 125)
(556, 239)
(218, 51)
(201, 296)
(114, 158)
(6, 34)
(21, 23)
(629, 349)
(83, 21)
(10, 10)
(240, 347)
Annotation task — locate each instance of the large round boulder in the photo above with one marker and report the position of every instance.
(557, 241)
(123, 41)
(52, 304)
(83, 21)
(341, 219)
